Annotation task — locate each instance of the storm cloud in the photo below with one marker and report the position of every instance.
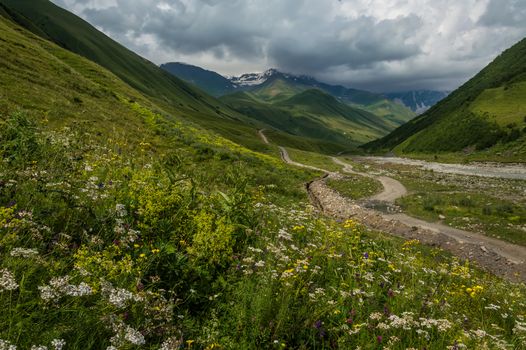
(381, 45)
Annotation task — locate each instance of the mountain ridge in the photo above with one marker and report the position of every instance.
(254, 82)
(488, 111)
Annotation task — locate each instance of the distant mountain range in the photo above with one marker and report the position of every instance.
(486, 113)
(419, 101)
(276, 85)
(301, 105)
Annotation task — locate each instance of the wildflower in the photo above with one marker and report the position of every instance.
(6, 345)
(349, 223)
(134, 336)
(119, 297)
(39, 347)
(7, 281)
(24, 253)
(379, 339)
(171, 343)
(60, 286)
(120, 210)
(58, 344)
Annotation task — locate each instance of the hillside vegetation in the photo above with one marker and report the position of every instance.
(124, 225)
(487, 112)
(312, 114)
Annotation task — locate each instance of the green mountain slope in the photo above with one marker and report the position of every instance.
(273, 85)
(488, 111)
(282, 87)
(312, 114)
(213, 83)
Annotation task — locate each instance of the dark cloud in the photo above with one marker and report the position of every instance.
(499, 13)
(376, 44)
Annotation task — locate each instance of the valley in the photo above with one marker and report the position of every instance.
(348, 199)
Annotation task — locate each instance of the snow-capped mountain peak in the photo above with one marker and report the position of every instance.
(252, 79)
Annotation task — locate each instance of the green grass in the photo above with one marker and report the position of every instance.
(355, 187)
(501, 104)
(314, 159)
(473, 212)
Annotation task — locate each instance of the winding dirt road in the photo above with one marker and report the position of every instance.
(394, 190)
(499, 257)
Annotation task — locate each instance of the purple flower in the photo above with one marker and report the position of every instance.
(366, 255)
(318, 324)
(379, 339)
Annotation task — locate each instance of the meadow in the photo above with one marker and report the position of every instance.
(110, 244)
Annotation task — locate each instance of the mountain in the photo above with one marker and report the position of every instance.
(419, 101)
(312, 114)
(213, 83)
(487, 112)
(275, 85)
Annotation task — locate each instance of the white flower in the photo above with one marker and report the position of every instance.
(120, 210)
(119, 297)
(171, 344)
(24, 253)
(39, 347)
(134, 336)
(7, 281)
(60, 286)
(58, 344)
(47, 293)
(6, 345)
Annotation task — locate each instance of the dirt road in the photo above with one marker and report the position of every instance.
(499, 257)
(392, 189)
(262, 136)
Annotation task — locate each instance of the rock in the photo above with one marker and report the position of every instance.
(441, 217)
(484, 249)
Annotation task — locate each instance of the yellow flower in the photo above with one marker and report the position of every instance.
(155, 251)
(142, 255)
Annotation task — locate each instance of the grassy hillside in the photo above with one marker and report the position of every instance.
(486, 112)
(124, 226)
(280, 88)
(213, 83)
(312, 114)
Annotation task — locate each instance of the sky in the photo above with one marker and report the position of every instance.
(378, 45)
